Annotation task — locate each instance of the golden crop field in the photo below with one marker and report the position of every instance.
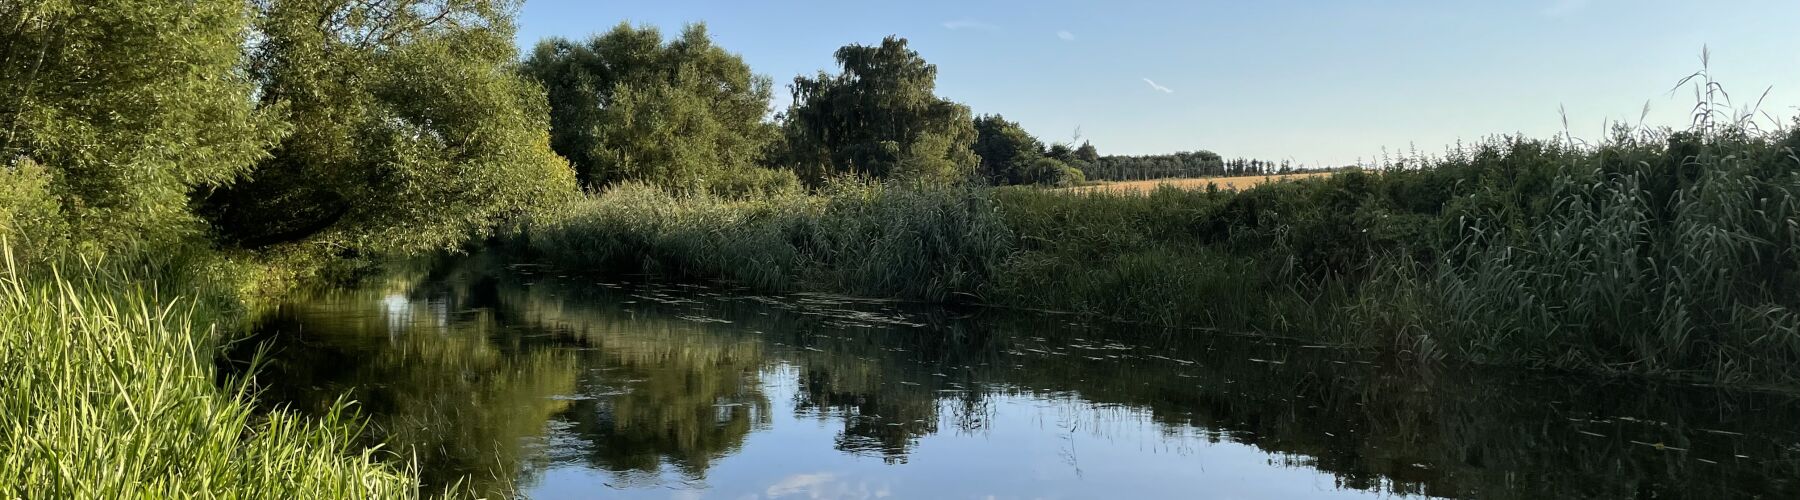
(1233, 183)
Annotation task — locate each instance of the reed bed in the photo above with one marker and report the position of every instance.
(1674, 254)
(107, 390)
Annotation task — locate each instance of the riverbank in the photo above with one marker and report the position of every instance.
(1670, 255)
(108, 390)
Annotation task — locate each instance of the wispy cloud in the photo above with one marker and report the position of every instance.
(1065, 35)
(967, 23)
(1562, 8)
(1160, 88)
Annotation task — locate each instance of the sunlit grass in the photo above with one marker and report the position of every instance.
(107, 391)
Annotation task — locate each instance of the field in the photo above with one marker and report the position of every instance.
(1226, 183)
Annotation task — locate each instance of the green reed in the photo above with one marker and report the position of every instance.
(107, 390)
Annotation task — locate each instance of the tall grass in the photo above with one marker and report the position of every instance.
(107, 391)
(1682, 256)
(926, 243)
(1665, 253)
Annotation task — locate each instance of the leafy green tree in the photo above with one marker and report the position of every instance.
(1087, 153)
(1007, 151)
(411, 128)
(117, 108)
(878, 118)
(685, 114)
(1049, 171)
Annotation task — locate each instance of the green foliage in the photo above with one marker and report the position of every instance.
(30, 215)
(127, 106)
(625, 106)
(1087, 152)
(1169, 166)
(925, 242)
(879, 118)
(107, 390)
(1674, 257)
(411, 130)
(1671, 255)
(1008, 153)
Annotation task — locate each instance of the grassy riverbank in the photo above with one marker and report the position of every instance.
(107, 390)
(1666, 254)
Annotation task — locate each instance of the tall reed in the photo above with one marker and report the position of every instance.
(107, 391)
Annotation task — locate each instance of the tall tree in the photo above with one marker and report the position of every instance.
(411, 127)
(1087, 153)
(685, 114)
(120, 107)
(879, 117)
(1007, 151)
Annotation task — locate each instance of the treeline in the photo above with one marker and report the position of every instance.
(687, 116)
(396, 126)
(1187, 164)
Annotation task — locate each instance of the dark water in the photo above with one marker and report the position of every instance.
(532, 384)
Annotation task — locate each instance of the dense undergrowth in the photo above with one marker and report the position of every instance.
(1669, 254)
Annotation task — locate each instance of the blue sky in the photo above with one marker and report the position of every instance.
(1318, 82)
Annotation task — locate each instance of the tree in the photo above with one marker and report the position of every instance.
(1006, 150)
(1087, 152)
(625, 105)
(118, 108)
(411, 129)
(879, 118)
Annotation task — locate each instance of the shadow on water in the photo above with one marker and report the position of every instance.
(521, 382)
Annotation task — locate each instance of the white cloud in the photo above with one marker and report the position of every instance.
(966, 23)
(799, 483)
(1161, 88)
(1065, 35)
(821, 485)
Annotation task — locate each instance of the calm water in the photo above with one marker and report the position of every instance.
(545, 386)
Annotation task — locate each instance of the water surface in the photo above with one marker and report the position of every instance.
(520, 381)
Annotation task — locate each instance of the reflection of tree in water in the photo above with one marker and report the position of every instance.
(658, 391)
(877, 420)
(665, 385)
(685, 416)
(441, 392)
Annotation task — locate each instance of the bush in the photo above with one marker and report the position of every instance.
(30, 216)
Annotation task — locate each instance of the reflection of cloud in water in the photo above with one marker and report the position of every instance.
(398, 312)
(824, 485)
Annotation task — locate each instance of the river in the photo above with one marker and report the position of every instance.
(517, 380)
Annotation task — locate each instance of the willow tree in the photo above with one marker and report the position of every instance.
(625, 105)
(879, 118)
(111, 111)
(411, 128)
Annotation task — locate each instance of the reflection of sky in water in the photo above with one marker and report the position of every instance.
(398, 311)
(1031, 447)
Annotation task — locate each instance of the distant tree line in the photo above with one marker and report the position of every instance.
(686, 115)
(1178, 165)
